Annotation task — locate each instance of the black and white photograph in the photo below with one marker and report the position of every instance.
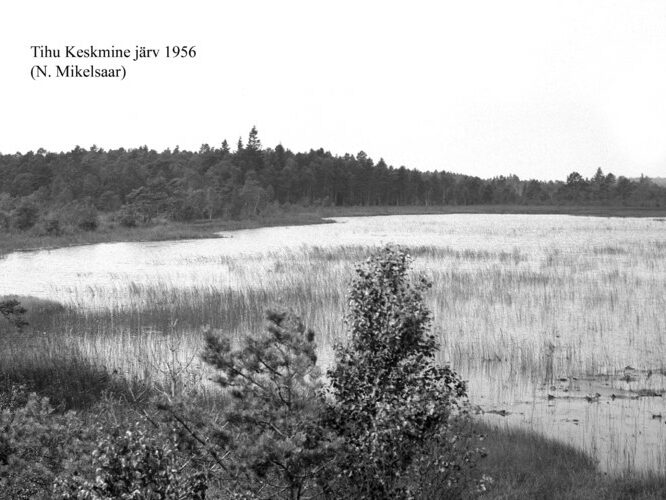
(333, 250)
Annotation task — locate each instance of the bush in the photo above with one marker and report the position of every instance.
(51, 225)
(83, 216)
(389, 399)
(35, 445)
(14, 312)
(274, 442)
(45, 454)
(12, 396)
(4, 221)
(24, 216)
(139, 463)
(128, 216)
(109, 201)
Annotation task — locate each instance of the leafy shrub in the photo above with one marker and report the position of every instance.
(25, 216)
(273, 438)
(108, 201)
(51, 225)
(45, 454)
(139, 463)
(14, 312)
(13, 396)
(35, 445)
(389, 398)
(4, 221)
(83, 216)
(128, 216)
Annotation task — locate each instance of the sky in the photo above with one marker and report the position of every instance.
(532, 88)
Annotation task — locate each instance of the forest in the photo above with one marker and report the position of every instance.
(71, 188)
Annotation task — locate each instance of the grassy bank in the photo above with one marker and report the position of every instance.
(110, 231)
(590, 211)
(526, 465)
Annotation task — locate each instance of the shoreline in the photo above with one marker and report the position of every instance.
(584, 211)
(109, 232)
(161, 231)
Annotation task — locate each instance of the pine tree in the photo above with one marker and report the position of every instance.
(253, 142)
(273, 439)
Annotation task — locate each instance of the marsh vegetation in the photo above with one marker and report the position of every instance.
(556, 322)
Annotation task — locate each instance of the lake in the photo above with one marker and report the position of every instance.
(557, 322)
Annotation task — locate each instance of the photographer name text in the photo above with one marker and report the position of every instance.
(90, 61)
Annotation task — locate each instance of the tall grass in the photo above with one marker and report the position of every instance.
(515, 316)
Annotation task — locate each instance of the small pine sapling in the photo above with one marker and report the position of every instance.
(273, 439)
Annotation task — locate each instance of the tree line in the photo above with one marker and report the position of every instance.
(216, 182)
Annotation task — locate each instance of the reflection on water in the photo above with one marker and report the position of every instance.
(557, 322)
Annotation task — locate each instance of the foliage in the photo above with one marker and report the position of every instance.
(5, 221)
(45, 454)
(140, 463)
(216, 182)
(253, 197)
(14, 312)
(51, 225)
(389, 398)
(36, 444)
(13, 396)
(83, 215)
(25, 215)
(109, 201)
(128, 216)
(273, 439)
(152, 199)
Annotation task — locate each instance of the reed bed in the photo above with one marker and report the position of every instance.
(513, 316)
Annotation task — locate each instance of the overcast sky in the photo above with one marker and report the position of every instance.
(532, 88)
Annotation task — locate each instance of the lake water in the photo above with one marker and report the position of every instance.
(558, 322)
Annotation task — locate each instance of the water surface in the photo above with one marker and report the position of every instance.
(558, 322)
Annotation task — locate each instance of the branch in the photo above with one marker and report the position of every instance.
(202, 442)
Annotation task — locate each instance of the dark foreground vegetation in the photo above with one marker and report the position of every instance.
(93, 195)
(388, 422)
